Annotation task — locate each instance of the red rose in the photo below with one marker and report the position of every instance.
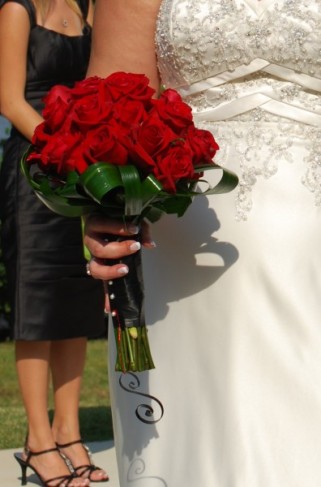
(154, 136)
(91, 89)
(58, 103)
(58, 150)
(138, 156)
(90, 111)
(173, 111)
(86, 87)
(175, 164)
(129, 113)
(203, 145)
(40, 136)
(172, 96)
(75, 160)
(103, 145)
(130, 86)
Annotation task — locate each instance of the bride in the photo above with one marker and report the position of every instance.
(233, 288)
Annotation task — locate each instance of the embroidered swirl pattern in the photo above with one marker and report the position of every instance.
(135, 474)
(144, 412)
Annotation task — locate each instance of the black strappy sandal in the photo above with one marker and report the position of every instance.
(24, 464)
(83, 469)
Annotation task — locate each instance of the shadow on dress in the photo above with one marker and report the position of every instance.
(188, 259)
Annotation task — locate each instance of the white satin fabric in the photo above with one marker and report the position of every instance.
(233, 290)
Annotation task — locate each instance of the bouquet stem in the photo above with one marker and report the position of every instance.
(133, 354)
(126, 296)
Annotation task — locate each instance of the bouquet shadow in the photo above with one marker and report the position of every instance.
(171, 273)
(175, 269)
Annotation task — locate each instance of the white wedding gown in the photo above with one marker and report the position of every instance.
(233, 290)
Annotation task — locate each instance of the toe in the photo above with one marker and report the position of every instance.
(99, 475)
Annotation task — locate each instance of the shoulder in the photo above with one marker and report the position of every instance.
(26, 4)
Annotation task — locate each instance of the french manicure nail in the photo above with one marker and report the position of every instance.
(123, 270)
(135, 246)
(134, 229)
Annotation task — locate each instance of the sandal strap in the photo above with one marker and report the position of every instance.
(31, 453)
(87, 468)
(62, 478)
(81, 469)
(76, 442)
(66, 445)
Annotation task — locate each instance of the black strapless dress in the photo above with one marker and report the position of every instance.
(51, 296)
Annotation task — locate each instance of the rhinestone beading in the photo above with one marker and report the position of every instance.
(199, 40)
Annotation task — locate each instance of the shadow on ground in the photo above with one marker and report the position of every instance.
(95, 423)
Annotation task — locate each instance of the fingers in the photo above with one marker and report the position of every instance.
(97, 228)
(102, 249)
(100, 270)
(99, 224)
(147, 240)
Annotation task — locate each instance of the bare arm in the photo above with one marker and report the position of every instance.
(123, 38)
(14, 35)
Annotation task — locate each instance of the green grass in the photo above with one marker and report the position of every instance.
(94, 414)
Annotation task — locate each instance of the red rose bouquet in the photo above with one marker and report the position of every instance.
(107, 145)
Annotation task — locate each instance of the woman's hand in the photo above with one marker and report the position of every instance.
(96, 229)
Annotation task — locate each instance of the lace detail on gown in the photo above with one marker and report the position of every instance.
(252, 73)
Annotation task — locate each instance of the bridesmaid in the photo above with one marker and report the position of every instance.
(55, 304)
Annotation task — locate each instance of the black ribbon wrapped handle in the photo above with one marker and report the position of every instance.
(126, 296)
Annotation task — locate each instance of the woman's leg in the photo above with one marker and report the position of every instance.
(67, 365)
(32, 362)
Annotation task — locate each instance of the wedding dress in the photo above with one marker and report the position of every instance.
(233, 290)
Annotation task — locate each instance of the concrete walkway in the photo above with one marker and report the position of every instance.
(103, 455)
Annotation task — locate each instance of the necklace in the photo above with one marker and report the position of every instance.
(65, 23)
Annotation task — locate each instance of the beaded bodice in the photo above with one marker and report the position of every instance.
(253, 61)
(207, 38)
